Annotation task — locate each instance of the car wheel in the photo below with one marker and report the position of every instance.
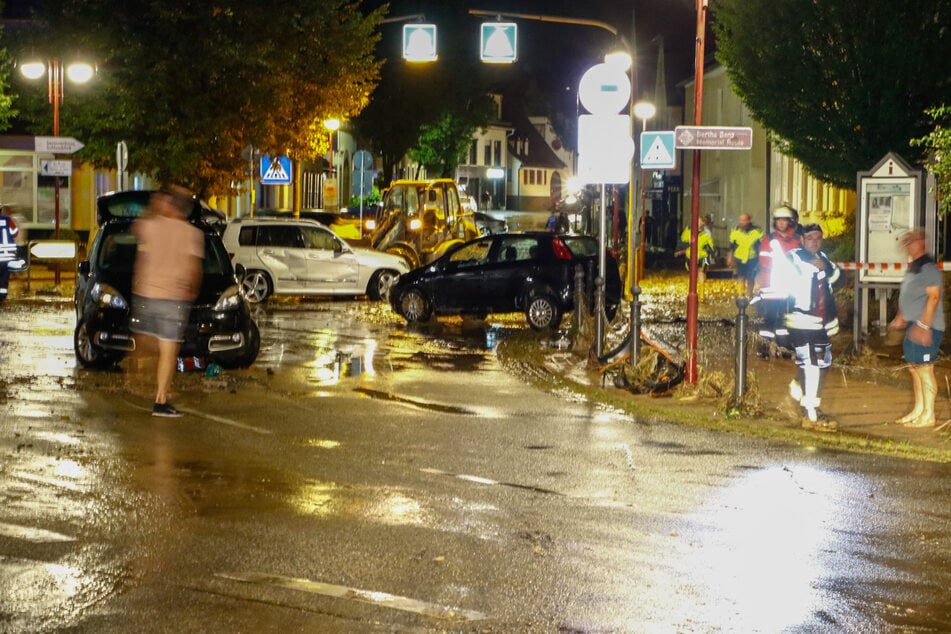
(380, 284)
(256, 286)
(414, 307)
(542, 312)
(89, 354)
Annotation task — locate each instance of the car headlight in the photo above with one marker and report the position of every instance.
(370, 225)
(107, 297)
(229, 299)
(415, 224)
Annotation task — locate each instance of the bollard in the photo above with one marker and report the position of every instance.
(579, 296)
(740, 370)
(635, 328)
(599, 316)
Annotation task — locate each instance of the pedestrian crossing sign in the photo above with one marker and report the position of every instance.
(499, 42)
(657, 150)
(275, 170)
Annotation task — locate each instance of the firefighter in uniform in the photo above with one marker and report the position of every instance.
(811, 321)
(773, 279)
(8, 250)
(744, 251)
(705, 247)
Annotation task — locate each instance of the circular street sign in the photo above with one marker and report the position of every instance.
(604, 89)
(362, 160)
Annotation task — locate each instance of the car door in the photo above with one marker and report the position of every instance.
(458, 284)
(280, 249)
(329, 267)
(512, 267)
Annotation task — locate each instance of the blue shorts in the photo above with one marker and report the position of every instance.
(164, 319)
(917, 354)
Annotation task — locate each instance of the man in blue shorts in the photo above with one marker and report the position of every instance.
(921, 312)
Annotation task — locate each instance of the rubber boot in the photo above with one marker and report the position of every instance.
(929, 391)
(916, 410)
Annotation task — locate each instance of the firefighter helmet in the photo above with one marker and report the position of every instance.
(785, 211)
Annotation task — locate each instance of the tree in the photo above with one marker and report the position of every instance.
(938, 145)
(839, 83)
(442, 145)
(188, 85)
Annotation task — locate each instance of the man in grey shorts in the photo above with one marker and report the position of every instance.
(166, 282)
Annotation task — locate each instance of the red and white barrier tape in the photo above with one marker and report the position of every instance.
(883, 266)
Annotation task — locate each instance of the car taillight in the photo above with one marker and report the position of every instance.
(561, 250)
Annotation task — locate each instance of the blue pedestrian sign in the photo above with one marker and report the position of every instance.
(419, 42)
(275, 170)
(657, 150)
(499, 42)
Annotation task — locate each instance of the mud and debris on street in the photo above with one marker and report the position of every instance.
(368, 476)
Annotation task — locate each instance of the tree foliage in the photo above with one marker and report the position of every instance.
(840, 83)
(190, 84)
(938, 145)
(441, 145)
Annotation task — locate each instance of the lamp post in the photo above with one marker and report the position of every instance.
(332, 126)
(77, 72)
(643, 111)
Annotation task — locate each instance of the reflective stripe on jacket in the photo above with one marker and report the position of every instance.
(811, 292)
(746, 243)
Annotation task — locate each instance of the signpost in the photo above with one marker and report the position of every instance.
(697, 137)
(56, 144)
(56, 168)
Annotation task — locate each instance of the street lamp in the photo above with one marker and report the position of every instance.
(332, 126)
(643, 111)
(77, 72)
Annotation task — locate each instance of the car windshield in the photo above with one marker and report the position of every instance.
(119, 247)
(581, 246)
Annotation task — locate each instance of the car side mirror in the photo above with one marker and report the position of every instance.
(240, 272)
(83, 268)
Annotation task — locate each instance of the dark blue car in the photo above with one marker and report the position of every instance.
(533, 273)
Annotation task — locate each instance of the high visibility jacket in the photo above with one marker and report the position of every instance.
(775, 272)
(8, 234)
(813, 305)
(745, 243)
(705, 246)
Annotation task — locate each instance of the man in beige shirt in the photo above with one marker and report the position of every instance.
(167, 279)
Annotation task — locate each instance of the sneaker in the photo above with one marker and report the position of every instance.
(821, 422)
(167, 410)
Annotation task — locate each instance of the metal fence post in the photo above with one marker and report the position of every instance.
(635, 327)
(599, 316)
(740, 370)
(580, 294)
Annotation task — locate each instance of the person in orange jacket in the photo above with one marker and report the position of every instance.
(774, 280)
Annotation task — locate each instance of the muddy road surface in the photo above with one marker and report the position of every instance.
(367, 477)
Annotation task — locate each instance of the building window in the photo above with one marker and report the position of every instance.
(474, 153)
(497, 158)
(487, 154)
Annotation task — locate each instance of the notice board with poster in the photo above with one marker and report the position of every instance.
(890, 202)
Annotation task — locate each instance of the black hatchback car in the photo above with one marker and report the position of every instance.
(515, 272)
(220, 328)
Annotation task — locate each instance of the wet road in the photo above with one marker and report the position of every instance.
(430, 492)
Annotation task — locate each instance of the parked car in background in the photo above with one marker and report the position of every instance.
(220, 328)
(518, 272)
(297, 256)
(489, 225)
(420, 220)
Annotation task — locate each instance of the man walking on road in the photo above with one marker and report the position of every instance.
(8, 250)
(811, 321)
(774, 278)
(166, 282)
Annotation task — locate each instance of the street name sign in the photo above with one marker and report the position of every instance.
(56, 144)
(691, 137)
(56, 168)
